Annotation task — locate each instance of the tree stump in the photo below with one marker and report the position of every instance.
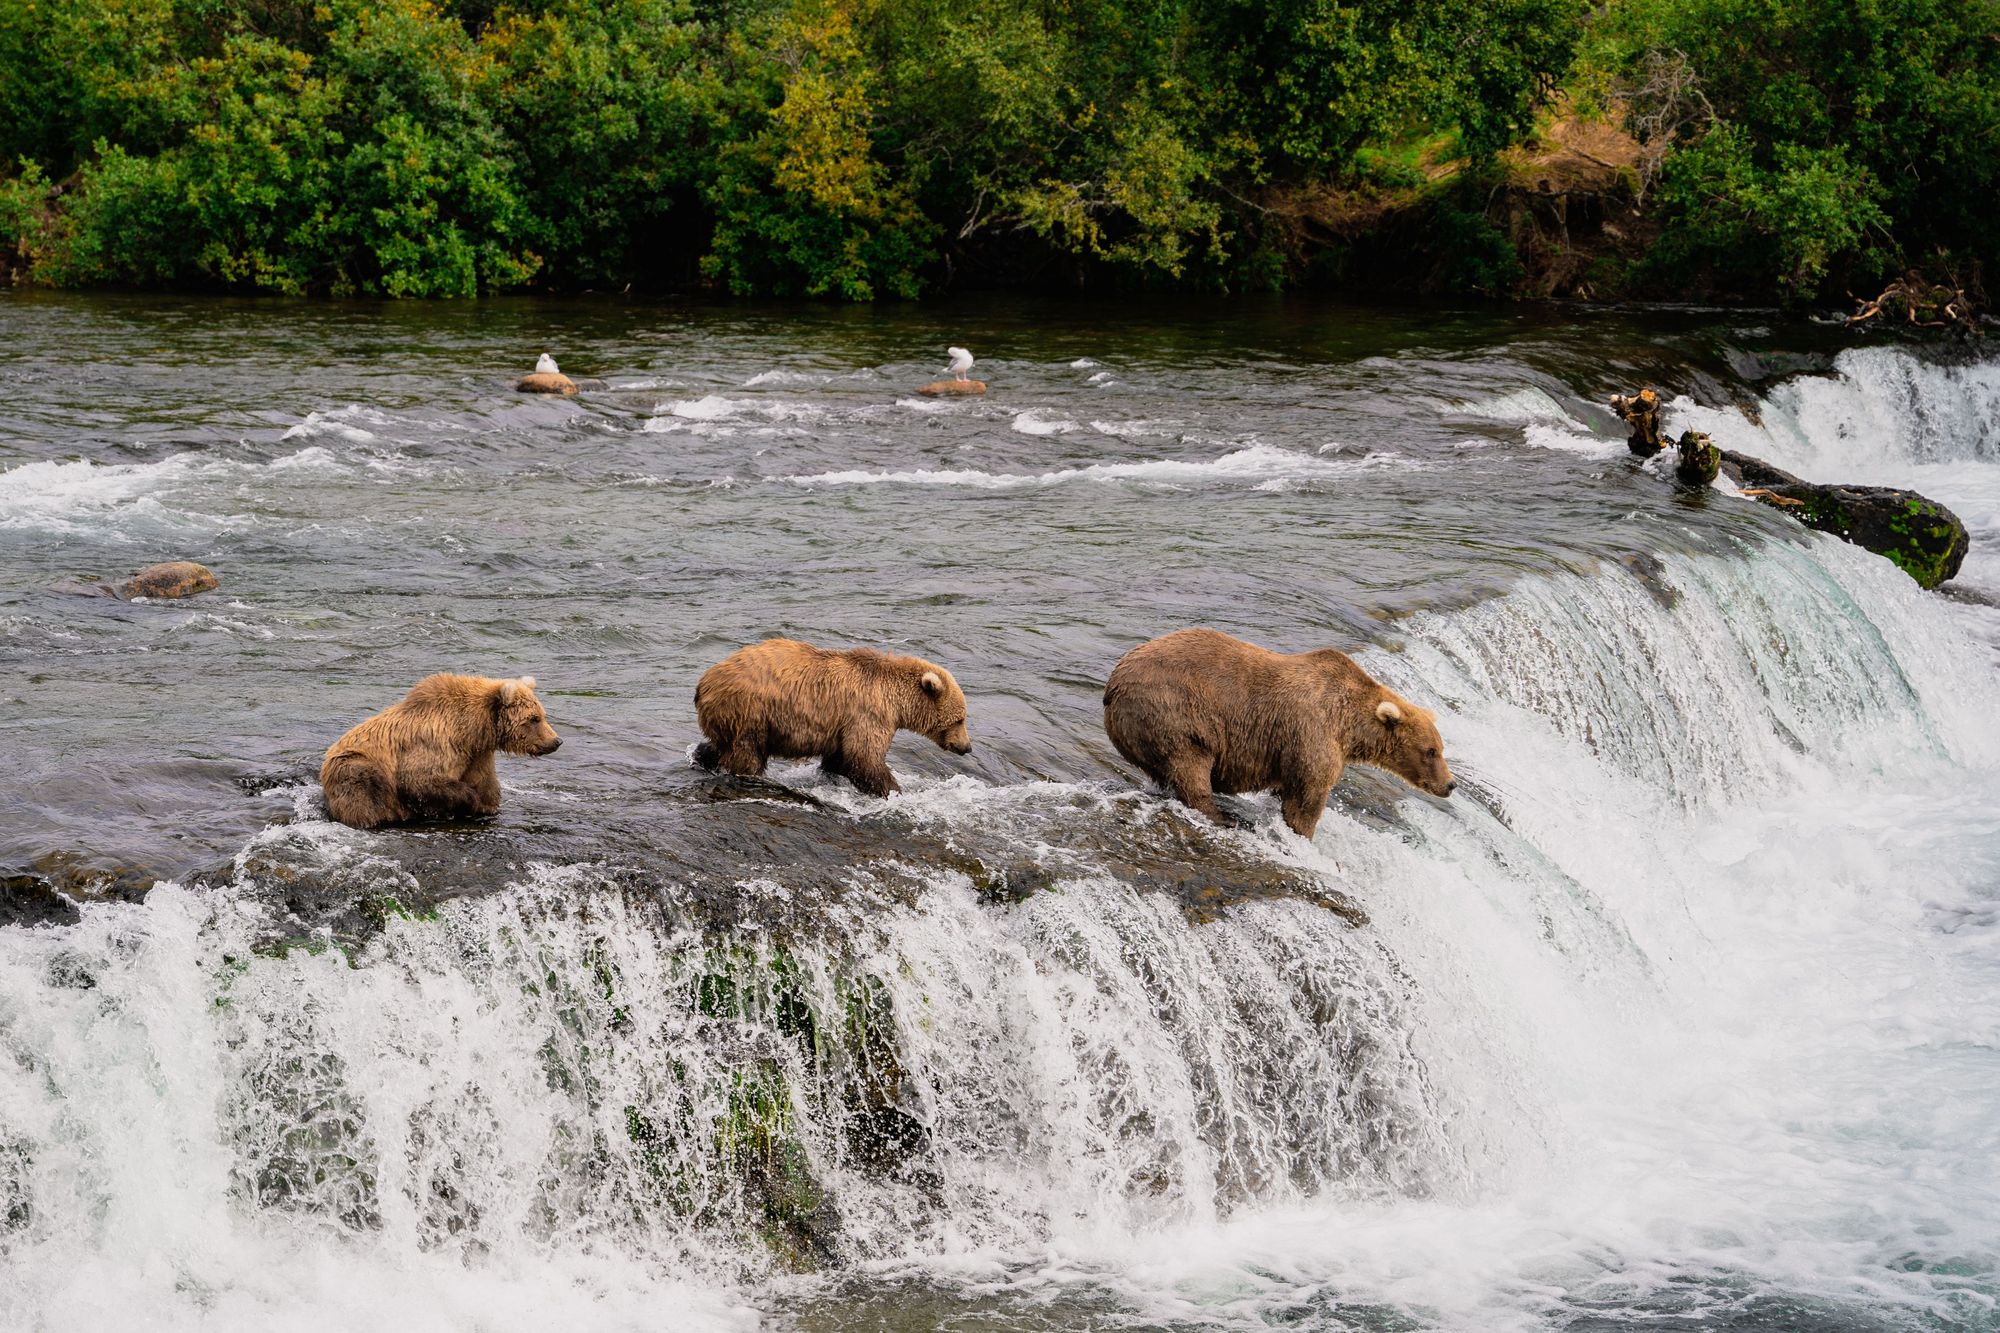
(1699, 460)
(1642, 413)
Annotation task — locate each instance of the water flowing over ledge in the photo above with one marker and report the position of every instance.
(1675, 1015)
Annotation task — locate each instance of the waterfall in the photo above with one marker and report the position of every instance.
(1662, 862)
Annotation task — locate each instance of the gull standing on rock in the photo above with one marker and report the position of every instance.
(546, 366)
(961, 362)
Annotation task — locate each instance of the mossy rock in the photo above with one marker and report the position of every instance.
(1923, 538)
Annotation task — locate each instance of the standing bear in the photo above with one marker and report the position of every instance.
(782, 699)
(431, 756)
(1204, 713)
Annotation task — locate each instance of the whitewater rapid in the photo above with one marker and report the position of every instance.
(1677, 1015)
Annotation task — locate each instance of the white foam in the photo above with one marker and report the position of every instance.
(1030, 423)
(1084, 363)
(73, 496)
(793, 378)
(1523, 406)
(338, 423)
(1571, 439)
(1252, 463)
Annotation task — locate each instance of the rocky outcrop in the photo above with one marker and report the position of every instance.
(175, 578)
(953, 388)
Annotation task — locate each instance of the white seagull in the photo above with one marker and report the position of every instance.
(546, 366)
(961, 361)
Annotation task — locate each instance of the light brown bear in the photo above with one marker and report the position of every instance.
(1203, 713)
(782, 699)
(431, 756)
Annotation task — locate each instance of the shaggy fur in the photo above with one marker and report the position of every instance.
(782, 699)
(431, 756)
(1202, 713)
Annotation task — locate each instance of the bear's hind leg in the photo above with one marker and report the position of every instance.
(360, 795)
(743, 759)
(1188, 777)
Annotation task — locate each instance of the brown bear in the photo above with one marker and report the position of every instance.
(1202, 713)
(431, 756)
(782, 699)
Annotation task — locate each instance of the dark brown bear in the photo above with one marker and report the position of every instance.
(1204, 713)
(431, 756)
(782, 699)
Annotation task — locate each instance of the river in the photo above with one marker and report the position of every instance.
(1678, 1015)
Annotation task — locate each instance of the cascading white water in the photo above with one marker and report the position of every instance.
(1886, 416)
(1695, 991)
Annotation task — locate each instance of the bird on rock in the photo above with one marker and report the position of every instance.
(546, 366)
(961, 362)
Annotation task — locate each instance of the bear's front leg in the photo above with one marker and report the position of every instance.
(1303, 806)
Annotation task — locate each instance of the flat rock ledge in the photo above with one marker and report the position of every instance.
(543, 382)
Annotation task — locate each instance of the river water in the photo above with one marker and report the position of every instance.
(1679, 1015)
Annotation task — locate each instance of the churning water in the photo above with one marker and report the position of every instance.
(1680, 1015)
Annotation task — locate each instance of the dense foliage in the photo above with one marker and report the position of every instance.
(1819, 141)
(865, 148)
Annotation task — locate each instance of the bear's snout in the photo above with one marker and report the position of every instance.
(555, 743)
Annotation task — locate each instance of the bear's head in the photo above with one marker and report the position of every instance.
(524, 727)
(1403, 738)
(940, 710)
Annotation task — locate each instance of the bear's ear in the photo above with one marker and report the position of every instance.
(933, 684)
(510, 688)
(1388, 712)
(527, 682)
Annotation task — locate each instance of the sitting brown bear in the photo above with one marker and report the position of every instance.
(1204, 713)
(431, 756)
(782, 699)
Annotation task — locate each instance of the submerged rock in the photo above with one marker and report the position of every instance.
(552, 381)
(1924, 539)
(953, 388)
(175, 578)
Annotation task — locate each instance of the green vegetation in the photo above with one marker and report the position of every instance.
(859, 149)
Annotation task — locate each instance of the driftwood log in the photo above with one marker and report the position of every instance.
(1922, 537)
(1912, 301)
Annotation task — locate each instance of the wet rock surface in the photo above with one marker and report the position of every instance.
(172, 579)
(1922, 537)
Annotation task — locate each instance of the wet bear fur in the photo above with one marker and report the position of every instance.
(782, 699)
(431, 756)
(1202, 713)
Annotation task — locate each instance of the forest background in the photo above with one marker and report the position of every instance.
(1759, 150)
